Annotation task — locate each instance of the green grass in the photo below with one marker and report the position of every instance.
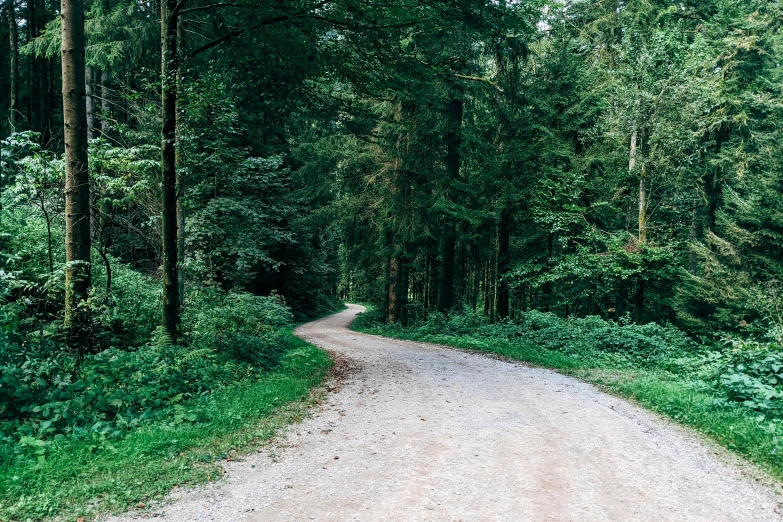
(84, 478)
(733, 426)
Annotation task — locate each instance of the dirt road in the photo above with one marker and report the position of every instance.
(419, 432)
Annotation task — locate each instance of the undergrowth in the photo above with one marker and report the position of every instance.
(74, 477)
(731, 393)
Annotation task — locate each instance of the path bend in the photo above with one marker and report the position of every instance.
(418, 432)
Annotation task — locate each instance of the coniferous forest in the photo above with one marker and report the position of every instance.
(182, 181)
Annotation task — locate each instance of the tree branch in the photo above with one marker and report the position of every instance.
(269, 21)
(212, 6)
(477, 79)
(175, 13)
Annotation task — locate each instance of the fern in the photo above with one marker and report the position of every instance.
(161, 338)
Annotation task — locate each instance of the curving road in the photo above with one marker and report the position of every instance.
(420, 432)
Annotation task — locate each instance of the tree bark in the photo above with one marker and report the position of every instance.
(714, 187)
(89, 103)
(642, 206)
(179, 162)
(105, 107)
(77, 181)
(453, 141)
(392, 312)
(446, 281)
(32, 77)
(39, 70)
(504, 237)
(14, 62)
(169, 67)
(642, 219)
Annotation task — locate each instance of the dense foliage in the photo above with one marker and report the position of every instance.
(745, 373)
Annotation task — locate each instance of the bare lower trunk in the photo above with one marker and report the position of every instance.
(14, 62)
(504, 237)
(642, 219)
(392, 310)
(89, 103)
(169, 66)
(77, 182)
(446, 281)
(179, 161)
(642, 207)
(107, 266)
(453, 141)
(105, 107)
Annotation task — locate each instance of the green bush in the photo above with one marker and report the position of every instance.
(44, 396)
(747, 373)
(750, 373)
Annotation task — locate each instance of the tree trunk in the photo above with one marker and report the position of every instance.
(169, 67)
(179, 161)
(77, 181)
(642, 221)
(504, 237)
(394, 274)
(548, 288)
(446, 280)
(639, 301)
(453, 141)
(32, 78)
(14, 62)
(89, 104)
(40, 73)
(642, 206)
(105, 107)
(107, 266)
(403, 287)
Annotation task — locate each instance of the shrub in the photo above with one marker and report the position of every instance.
(44, 395)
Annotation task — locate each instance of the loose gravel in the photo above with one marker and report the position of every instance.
(417, 432)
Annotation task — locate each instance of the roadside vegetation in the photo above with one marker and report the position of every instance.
(78, 466)
(729, 391)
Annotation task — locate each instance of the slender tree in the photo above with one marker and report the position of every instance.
(14, 61)
(169, 68)
(77, 182)
(89, 102)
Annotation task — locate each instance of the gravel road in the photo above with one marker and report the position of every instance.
(420, 432)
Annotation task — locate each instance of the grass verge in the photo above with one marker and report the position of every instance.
(84, 478)
(730, 425)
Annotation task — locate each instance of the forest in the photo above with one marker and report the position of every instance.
(182, 181)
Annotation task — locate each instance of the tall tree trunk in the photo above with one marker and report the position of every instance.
(642, 206)
(453, 141)
(392, 313)
(504, 237)
(432, 282)
(639, 301)
(89, 103)
(40, 74)
(169, 67)
(446, 280)
(32, 77)
(14, 62)
(714, 187)
(77, 181)
(642, 220)
(548, 288)
(105, 106)
(180, 160)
